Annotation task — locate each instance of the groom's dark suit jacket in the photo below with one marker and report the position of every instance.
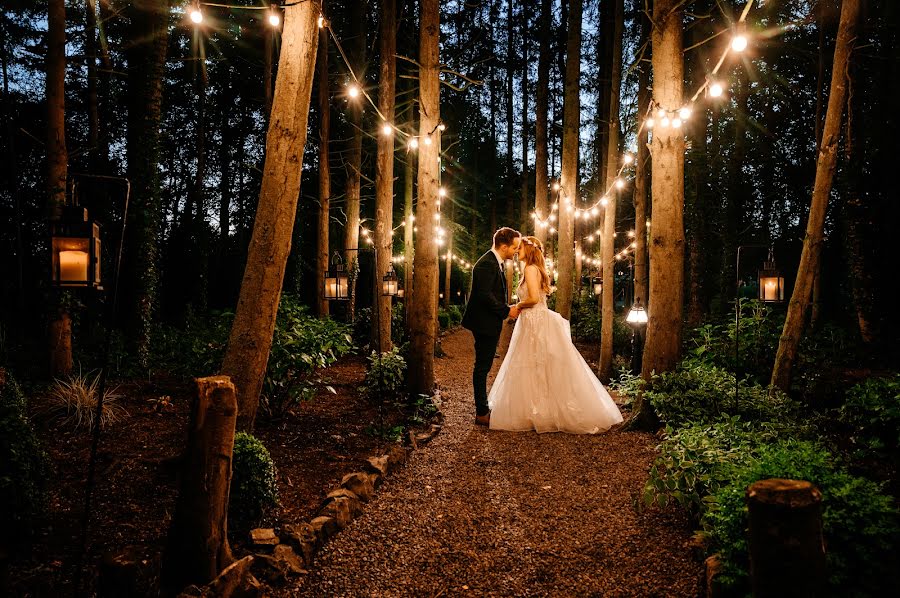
(486, 309)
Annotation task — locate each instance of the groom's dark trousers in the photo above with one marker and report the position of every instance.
(485, 314)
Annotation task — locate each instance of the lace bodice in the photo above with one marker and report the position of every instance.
(522, 293)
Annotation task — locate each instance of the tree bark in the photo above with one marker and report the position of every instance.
(197, 548)
(425, 271)
(510, 120)
(569, 180)
(408, 228)
(826, 164)
(356, 46)
(541, 113)
(607, 312)
(523, 204)
(90, 51)
(324, 214)
(254, 322)
(384, 174)
(146, 64)
(663, 343)
(57, 167)
(642, 156)
(448, 268)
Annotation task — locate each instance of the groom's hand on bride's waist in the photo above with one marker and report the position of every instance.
(513, 312)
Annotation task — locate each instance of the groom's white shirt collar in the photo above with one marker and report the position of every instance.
(497, 255)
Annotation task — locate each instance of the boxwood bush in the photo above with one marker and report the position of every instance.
(253, 491)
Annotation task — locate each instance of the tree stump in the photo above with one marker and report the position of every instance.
(197, 549)
(61, 345)
(787, 550)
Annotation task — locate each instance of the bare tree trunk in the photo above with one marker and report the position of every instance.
(408, 247)
(448, 270)
(197, 549)
(667, 237)
(357, 50)
(57, 166)
(425, 273)
(523, 205)
(90, 51)
(510, 121)
(541, 206)
(569, 176)
(384, 175)
(608, 309)
(254, 321)
(324, 215)
(640, 176)
(826, 164)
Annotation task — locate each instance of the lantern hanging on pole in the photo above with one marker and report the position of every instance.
(390, 284)
(75, 244)
(336, 281)
(637, 316)
(598, 285)
(771, 282)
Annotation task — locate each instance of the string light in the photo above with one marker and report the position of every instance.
(413, 143)
(649, 123)
(428, 139)
(620, 183)
(353, 90)
(196, 15)
(739, 43)
(442, 127)
(387, 129)
(715, 90)
(676, 123)
(627, 159)
(442, 192)
(321, 22)
(274, 18)
(684, 113)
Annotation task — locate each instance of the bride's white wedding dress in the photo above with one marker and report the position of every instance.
(544, 384)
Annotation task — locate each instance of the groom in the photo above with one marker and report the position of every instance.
(486, 312)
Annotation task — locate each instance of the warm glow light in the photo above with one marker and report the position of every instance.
(413, 143)
(556, 186)
(664, 122)
(321, 21)
(442, 127)
(552, 218)
(715, 90)
(684, 113)
(274, 19)
(594, 211)
(631, 234)
(442, 192)
(661, 113)
(620, 183)
(428, 139)
(387, 129)
(353, 90)
(676, 122)
(649, 123)
(196, 16)
(627, 159)
(590, 238)
(552, 231)
(604, 201)
(739, 43)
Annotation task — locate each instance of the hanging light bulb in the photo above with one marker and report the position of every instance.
(274, 17)
(664, 122)
(428, 139)
(552, 231)
(387, 129)
(413, 143)
(684, 113)
(442, 127)
(649, 123)
(739, 43)
(554, 207)
(321, 21)
(631, 234)
(590, 238)
(353, 90)
(661, 113)
(594, 211)
(715, 90)
(620, 183)
(552, 218)
(196, 15)
(627, 158)
(442, 192)
(604, 201)
(555, 186)
(676, 122)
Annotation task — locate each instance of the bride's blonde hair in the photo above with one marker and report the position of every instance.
(534, 256)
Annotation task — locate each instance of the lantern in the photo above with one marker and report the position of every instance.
(598, 285)
(336, 285)
(75, 244)
(638, 315)
(771, 282)
(390, 284)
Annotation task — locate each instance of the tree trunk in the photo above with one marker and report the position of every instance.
(663, 344)
(569, 175)
(408, 247)
(523, 205)
(227, 141)
(640, 176)
(90, 51)
(607, 312)
(448, 270)
(384, 175)
(146, 64)
(324, 215)
(826, 164)
(510, 120)
(425, 272)
(356, 47)
(254, 320)
(197, 548)
(199, 187)
(57, 166)
(541, 206)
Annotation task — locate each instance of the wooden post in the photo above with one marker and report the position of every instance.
(787, 550)
(198, 549)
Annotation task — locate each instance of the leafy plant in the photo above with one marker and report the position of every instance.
(872, 412)
(23, 466)
(861, 524)
(253, 487)
(75, 401)
(627, 385)
(362, 326)
(385, 380)
(449, 317)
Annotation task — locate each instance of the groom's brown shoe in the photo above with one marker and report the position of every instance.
(483, 420)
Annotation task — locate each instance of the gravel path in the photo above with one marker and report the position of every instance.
(509, 514)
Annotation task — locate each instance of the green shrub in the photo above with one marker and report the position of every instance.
(861, 524)
(697, 392)
(443, 319)
(627, 385)
(872, 412)
(253, 489)
(23, 466)
(449, 317)
(362, 326)
(385, 380)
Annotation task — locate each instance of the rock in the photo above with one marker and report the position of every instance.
(360, 485)
(423, 438)
(263, 537)
(376, 479)
(282, 564)
(397, 456)
(303, 539)
(412, 440)
(378, 464)
(343, 510)
(341, 493)
(713, 569)
(235, 581)
(324, 527)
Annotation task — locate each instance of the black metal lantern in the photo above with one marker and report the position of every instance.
(598, 285)
(771, 282)
(390, 284)
(336, 284)
(637, 317)
(75, 245)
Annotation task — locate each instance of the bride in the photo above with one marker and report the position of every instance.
(544, 384)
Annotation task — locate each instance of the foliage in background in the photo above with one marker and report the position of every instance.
(253, 489)
(872, 414)
(74, 400)
(586, 324)
(861, 524)
(362, 326)
(449, 317)
(24, 466)
(385, 380)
